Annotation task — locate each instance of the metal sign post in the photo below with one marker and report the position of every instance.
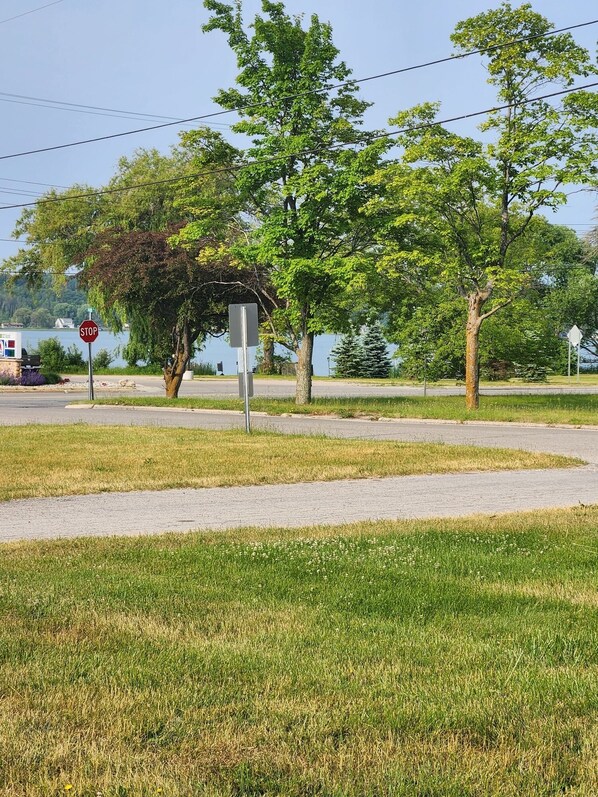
(245, 369)
(90, 394)
(243, 332)
(569, 362)
(88, 332)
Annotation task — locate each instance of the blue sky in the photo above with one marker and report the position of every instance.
(150, 56)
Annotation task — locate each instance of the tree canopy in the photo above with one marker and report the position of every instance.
(309, 218)
(464, 210)
(302, 180)
(170, 298)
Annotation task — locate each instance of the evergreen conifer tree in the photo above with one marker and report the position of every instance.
(348, 356)
(375, 362)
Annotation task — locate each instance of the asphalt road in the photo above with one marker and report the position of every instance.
(278, 388)
(305, 504)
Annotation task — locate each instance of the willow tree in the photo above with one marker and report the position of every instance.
(301, 181)
(472, 203)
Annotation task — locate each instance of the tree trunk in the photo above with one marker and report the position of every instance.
(173, 375)
(472, 351)
(268, 358)
(174, 370)
(304, 369)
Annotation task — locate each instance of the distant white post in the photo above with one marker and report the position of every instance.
(574, 336)
(243, 332)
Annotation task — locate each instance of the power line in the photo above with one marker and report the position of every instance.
(82, 106)
(295, 96)
(58, 105)
(302, 153)
(15, 191)
(32, 11)
(31, 182)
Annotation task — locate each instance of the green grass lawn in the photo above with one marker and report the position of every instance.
(77, 459)
(551, 409)
(423, 659)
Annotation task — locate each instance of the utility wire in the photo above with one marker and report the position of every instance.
(31, 182)
(16, 192)
(85, 107)
(263, 161)
(32, 11)
(295, 96)
(57, 105)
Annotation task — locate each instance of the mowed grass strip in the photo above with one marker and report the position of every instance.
(445, 659)
(71, 460)
(570, 409)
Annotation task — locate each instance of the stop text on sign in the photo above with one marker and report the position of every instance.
(88, 331)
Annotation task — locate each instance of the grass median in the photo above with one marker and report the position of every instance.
(571, 409)
(78, 459)
(451, 658)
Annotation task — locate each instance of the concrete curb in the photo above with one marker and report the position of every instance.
(381, 418)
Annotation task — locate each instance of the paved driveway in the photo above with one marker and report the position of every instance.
(304, 504)
(297, 504)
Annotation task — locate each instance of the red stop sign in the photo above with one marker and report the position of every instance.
(88, 331)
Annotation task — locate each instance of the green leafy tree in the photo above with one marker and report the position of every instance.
(463, 209)
(18, 298)
(521, 341)
(58, 231)
(22, 315)
(431, 338)
(300, 185)
(41, 318)
(157, 296)
(574, 297)
(62, 227)
(523, 337)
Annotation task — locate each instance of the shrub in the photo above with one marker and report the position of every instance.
(52, 354)
(8, 379)
(531, 372)
(202, 369)
(30, 378)
(51, 377)
(102, 360)
(74, 357)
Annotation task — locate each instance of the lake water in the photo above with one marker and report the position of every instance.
(216, 349)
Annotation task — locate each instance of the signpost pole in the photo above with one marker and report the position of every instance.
(574, 336)
(90, 368)
(243, 329)
(90, 374)
(569, 363)
(88, 332)
(245, 374)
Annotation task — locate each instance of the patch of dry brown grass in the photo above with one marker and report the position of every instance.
(72, 460)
